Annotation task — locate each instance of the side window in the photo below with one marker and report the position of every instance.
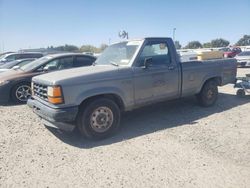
(59, 64)
(83, 61)
(11, 58)
(30, 55)
(23, 56)
(158, 51)
(34, 55)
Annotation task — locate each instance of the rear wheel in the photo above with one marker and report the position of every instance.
(20, 93)
(241, 93)
(208, 94)
(99, 119)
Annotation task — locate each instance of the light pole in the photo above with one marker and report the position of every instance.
(174, 29)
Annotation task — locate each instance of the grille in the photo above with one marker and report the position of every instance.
(40, 91)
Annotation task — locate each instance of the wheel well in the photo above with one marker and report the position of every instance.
(21, 82)
(217, 80)
(117, 99)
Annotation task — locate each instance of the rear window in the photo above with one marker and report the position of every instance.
(83, 61)
(30, 55)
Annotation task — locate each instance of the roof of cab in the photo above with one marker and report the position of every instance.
(69, 54)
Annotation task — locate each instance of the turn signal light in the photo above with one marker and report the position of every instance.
(55, 95)
(57, 100)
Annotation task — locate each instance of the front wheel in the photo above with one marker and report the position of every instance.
(208, 94)
(99, 119)
(20, 93)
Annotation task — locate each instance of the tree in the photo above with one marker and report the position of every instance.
(193, 45)
(103, 47)
(88, 48)
(66, 48)
(216, 43)
(244, 41)
(207, 45)
(177, 44)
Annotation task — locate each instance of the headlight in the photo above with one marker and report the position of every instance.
(55, 95)
(4, 82)
(32, 88)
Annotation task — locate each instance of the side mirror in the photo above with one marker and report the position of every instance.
(49, 68)
(15, 67)
(148, 62)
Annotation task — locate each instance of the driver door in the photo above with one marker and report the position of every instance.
(160, 79)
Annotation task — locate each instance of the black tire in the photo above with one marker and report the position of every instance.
(14, 96)
(88, 121)
(208, 94)
(241, 93)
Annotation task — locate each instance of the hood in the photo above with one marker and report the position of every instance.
(77, 75)
(242, 57)
(3, 70)
(14, 75)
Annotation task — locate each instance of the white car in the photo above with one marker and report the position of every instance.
(15, 64)
(186, 56)
(243, 59)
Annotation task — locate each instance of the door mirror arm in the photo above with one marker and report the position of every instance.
(148, 62)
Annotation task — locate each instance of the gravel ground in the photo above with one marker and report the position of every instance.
(173, 144)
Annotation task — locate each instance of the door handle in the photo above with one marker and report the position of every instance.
(171, 67)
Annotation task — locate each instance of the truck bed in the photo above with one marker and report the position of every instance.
(195, 73)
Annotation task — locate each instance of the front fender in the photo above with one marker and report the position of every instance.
(100, 91)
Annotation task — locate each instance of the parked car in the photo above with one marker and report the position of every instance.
(126, 76)
(15, 64)
(232, 52)
(186, 56)
(224, 49)
(15, 85)
(15, 56)
(243, 59)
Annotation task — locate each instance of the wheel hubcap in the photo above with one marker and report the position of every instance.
(23, 93)
(210, 94)
(101, 119)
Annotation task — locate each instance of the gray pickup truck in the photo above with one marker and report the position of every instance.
(126, 76)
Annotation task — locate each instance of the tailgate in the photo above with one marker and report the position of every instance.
(229, 71)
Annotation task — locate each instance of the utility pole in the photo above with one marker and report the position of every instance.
(3, 47)
(174, 29)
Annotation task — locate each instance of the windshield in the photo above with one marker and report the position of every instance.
(247, 53)
(3, 57)
(22, 63)
(18, 63)
(118, 54)
(9, 65)
(35, 64)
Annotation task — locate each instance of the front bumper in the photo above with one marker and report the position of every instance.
(243, 63)
(62, 118)
(5, 93)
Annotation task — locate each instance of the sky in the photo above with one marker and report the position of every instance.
(42, 23)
